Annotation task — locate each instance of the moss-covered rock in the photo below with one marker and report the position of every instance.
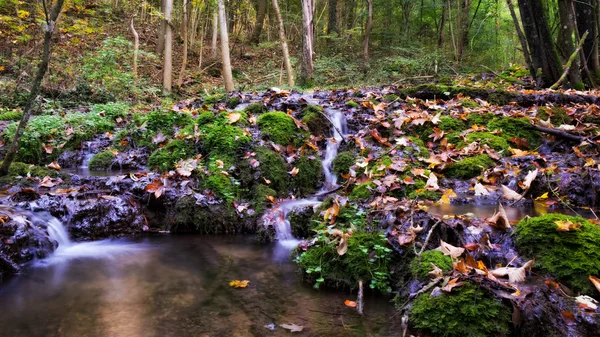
(468, 103)
(418, 190)
(485, 138)
(212, 219)
(572, 256)
(515, 127)
(420, 269)
(255, 108)
(223, 139)
(22, 169)
(343, 162)
(205, 117)
(261, 192)
(281, 129)
(469, 167)
(233, 101)
(166, 157)
(222, 186)
(352, 104)
(310, 174)
(362, 191)
(315, 120)
(480, 119)
(467, 311)
(368, 258)
(558, 116)
(165, 121)
(214, 99)
(102, 160)
(273, 168)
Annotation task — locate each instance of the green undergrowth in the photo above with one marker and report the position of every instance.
(102, 160)
(25, 171)
(420, 268)
(469, 167)
(281, 129)
(367, 259)
(10, 115)
(497, 97)
(468, 311)
(206, 220)
(260, 194)
(571, 256)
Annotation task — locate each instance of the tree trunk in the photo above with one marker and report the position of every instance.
(184, 29)
(586, 21)
(351, 13)
(260, 19)
(565, 41)
(227, 75)
(307, 70)
(215, 33)
(136, 49)
(522, 38)
(35, 88)
(463, 28)
(160, 44)
(284, 46)
(539, 39)
(168, 55)
(368, 32)
(332, 24)
(442, 33)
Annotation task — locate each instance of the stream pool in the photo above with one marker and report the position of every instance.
(179, 286)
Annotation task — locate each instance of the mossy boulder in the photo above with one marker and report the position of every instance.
(214, 99)
(310, 174)
(485, 138)
(368, 259)
(166, 157)
(315, 120)
(469, 167)
(479, 119)
(362, 191)
(468, 311)
(421, 268)
(233, 101)
(223, 139)
(18, 169)
(165, 121)
(260, 194)
(281, 129)
(222, 186)
(206, 219)
(558, 116)
(517, 128)
(571, 256)
(273, 168)
(468, 103)
(343, 162)
(255, 109)
(102, 160)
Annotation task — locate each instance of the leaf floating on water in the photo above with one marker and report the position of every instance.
(350, 304)
(239, 284)
(292, 327)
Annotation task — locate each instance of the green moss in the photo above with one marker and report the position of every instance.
(273, 168)
(310, 173)
(18, 169)
(485, 138)
(362, 191)
(214, 99)
(465, 312)
(233, 101)
(421, 269)
(468, 103)
(260, 197)
(352, 104)
(10, 115)
(255, 108)
(222, 186)
(558, 116)
(444, 92)
(390, 98)
(205, 118)
(572, 256)
(449, 124)
(102, 161)
(224, 139)
(418, 191)
(479, 119)
(469, 167)
(417, 147)
(368, 258)
(112, 110)
(281, 129)
(166, 120)
(165, 158)
(343, 162)
(315, 120)
(515, 127)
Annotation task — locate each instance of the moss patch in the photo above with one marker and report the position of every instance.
(449, 124)
(466, 312)
(572, 256)
(469, 167)
(558, 116)
(515, 127)
(421, 269)
(485, 138)
(274, 169)
(255, 108)
(10, 115)
(309, 175)
(222, 186)
(165, 158)
(315, 120)
(480, 119)
(260, 197)
(343, 162)
(102, 160)
(281, 129)
(362, 192)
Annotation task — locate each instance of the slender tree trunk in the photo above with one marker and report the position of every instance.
(307, 68)
(522, 39)
(351, 13)
(215, 33)
(463, 27)
(586, 21)
(225, 57)
(160, 44)
(35, 87)
(168, 55)
(260, 19)
(136, 50)
(332, 23)
(442, 33)
(284, 46)
(565, 41)
(368, 32)
(184, 29)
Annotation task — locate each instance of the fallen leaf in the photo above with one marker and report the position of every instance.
(529, 179)
(47, 182)
(48, 148)
(566, 225)
(159, 138)
(542, 197)
(239, 284)
(54, 165)
(515, 275)
(234, 117)
(219, 163)
(185, 167)
(586, 302)
(406, 238)
(292, 327)
(294, 171)
(589, 162)
(480, 190)
(436, 271)
(509, 194)
(450, 250)
(343, 246)
(432, 183)
(350, 304)
(451, 285)
(568, 317)
(500, 219)
(331, 213)
(595, 281)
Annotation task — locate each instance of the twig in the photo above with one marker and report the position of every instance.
(558, 133)
(570, 62)
(559, 197)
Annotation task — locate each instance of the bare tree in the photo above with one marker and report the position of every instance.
(307, 69)
(260, 19)
(184, 28)
(368, 32)
(332, 23)
(284, 46)
(227, 75)
(215, 33)
(136, 49)
(168, 54)
(36, 86)
(160, 44)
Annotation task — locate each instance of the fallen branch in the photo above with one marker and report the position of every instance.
(570, 62)
(558, 133)
(359, 300)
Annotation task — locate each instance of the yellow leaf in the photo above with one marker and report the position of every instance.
(234, 117)
(219, 163)
(542, 197)
(589, 162)
(566, 225)
(294, 171)
(239, 284)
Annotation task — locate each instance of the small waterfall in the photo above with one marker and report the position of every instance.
(57, 232)
(88, 155)
(339, 125)
(280, 222)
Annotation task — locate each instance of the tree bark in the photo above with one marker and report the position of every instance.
(332, 23)
(136, 50)
(442, 32)
(35, 87)
(462, 18)
(215, 33)
(225, 57)
(586, 21)
(260, 19)
(539, 39)
(160, 44)
(168, 54)
(184, 31)
(565, 40)
(307, 70)
(284, 46)
(522, 38)
(368, 32)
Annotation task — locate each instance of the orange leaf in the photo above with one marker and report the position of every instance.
(350, 304)
(595, 281)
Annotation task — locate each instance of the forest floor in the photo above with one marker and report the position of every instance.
(410, 160)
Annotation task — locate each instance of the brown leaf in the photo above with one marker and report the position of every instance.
(515, 275)
(294, 171)
(500, 219)
(47, 182)
(451, 285)
(331, 213)
(450, 250)
(234, 117)
(436, 271)
(48, 148)
(432, 183)
(480, 190)
(526, 184)
(509, 194)
(406, 238)
(568, 317)
(292, 327)
(595, 281)
(343, 246)
(54, 165)
(350, 304)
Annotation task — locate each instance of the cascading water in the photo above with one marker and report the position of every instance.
(88, 155)
(339, 130)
